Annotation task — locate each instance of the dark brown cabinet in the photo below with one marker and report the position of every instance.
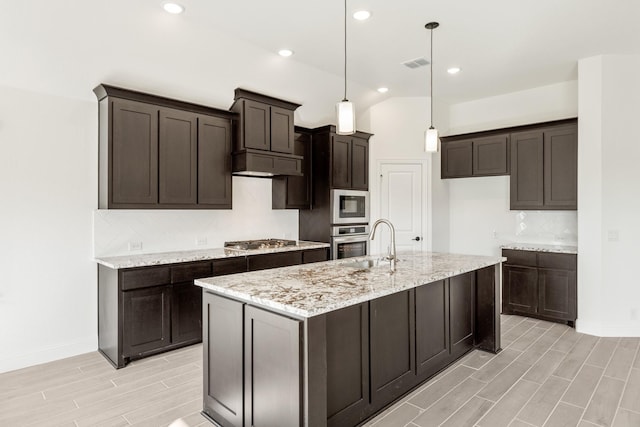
(462, 291)
(159, 153)
(294, 192)
(146, 320)
(477, 156)
(275, 260)
(347, 344)
(349, 162)
(265, 143)
(544, 168)
(541, 285)
(432, 327)
(186, 318)
(392, 343)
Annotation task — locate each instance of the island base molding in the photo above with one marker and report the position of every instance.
(340, 368)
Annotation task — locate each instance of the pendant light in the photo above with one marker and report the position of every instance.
(431, 135)
(345, 110)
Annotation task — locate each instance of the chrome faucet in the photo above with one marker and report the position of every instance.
(392, 247)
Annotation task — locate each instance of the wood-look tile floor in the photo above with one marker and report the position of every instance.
(547, 375)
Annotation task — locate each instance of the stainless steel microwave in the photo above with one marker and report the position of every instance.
(349, 207)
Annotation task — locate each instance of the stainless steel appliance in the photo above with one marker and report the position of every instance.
(259, 244)
(349, 207)
(349, 241)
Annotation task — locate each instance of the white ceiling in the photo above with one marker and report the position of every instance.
(501, 45)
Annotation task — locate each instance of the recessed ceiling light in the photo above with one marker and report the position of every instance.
(383, 89)
(453, 70)
(173, 8)
(285, 52)
(361, 15)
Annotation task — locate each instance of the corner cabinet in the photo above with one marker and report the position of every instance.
(541, 285)
(158, 153)
(545, 168)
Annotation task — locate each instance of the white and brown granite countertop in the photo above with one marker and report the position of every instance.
(143, 260)
(311, 289)
(561, 249)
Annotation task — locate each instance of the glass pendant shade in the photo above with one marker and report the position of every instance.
(431, 140)
(346, 113)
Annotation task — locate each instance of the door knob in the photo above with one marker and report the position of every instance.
(417, 238)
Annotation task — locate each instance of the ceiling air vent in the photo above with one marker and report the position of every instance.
(415, 63)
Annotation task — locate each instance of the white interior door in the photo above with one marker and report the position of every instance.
(402, 203)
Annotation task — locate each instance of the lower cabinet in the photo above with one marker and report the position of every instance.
(462, 291)
(432, 327)
(541, 285)
(252, 365)
(186, 319)
(146, 320)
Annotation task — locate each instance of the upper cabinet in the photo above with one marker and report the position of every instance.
(542, 160)
(294, 192)
(544, 166)
(266, 137)
(158, 153)
(475, 156)
(344, 158)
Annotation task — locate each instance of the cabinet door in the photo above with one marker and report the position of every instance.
(186, 313)
(282, 135)
(491, 155)
(223, 360)
(178, 151)
(359, 164)
(257, 125)
(347, 334)
(462, 315)
(520, 289)
(557, 293)
(214, 162)
(561, 168)
(134, 153)
(392, 333)
(340, 161)
(457, 159)
(272, 369)
(282, 259)
(146, 320)
(432, 327)
(527, 170)
(294, 192)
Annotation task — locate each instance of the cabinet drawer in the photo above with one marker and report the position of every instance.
(559, 261)
(144, 277)
(188, 272)
(284, 259)
(516, 257)
(229, 266)
(314, 255)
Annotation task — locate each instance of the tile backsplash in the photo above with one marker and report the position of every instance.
(545, 227)
(122, 232)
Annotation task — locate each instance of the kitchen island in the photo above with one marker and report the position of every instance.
(333, 343)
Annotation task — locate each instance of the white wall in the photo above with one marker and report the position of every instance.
(608, 202)
(169, 230)
(479, 217)
(48, 181)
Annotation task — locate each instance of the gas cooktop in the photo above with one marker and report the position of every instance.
(259, 244)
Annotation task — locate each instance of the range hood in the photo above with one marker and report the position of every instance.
(265, 136)
(265, 164)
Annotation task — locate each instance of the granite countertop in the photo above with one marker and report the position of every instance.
(143, 260)
(311, 289)
(562, 249)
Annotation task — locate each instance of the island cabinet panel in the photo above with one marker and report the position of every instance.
(392, 344)
(462, 314)
(146, 320)
(178, 154)
(134, 153)
(223, 363)
(347, 350)
(272, 369)
(432, 327)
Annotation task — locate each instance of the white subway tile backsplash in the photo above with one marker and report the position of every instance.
(170, 230)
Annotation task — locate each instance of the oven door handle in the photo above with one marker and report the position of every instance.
(348, 239)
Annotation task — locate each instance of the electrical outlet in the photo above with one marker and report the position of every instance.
(613, 235)
(135, 246)
(201, 241)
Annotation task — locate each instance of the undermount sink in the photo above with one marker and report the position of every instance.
(368, 263)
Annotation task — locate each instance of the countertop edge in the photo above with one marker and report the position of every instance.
(533, 247)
